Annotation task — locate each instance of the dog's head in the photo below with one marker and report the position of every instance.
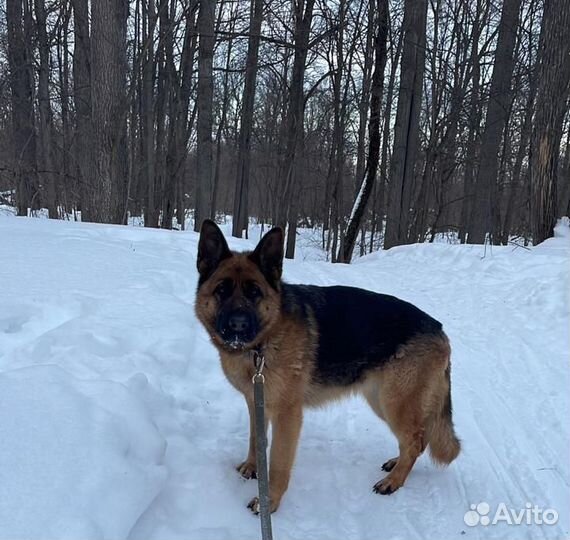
(238, 299)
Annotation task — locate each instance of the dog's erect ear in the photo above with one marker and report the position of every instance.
(268, 255)
(212, 249)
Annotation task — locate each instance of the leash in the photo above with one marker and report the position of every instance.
(261, 445)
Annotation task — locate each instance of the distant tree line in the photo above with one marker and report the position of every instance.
(380, 122)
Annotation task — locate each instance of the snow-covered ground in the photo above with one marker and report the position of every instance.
(116, 420)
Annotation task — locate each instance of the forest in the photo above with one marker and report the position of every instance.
(376, 122)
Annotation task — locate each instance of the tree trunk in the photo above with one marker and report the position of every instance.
(184, 124)
(564, 182)
(148, 156)
(377, 87)
(303, 12)
(223, 120)
(553, 90)
(406, 131)
(384, 153)
(45, 128)
(82, 101)
(364, 104)
(336, 160)
(179, 124)
(23, 129)
(68, 189)
(170, 99)
(108, 65)
(205, 116)
(472, 128)
(516, 183)
(241, 194)
(484, 209)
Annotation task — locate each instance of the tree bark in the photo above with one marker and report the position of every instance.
(472, 127)
(382, 184)
(406, 131)
(149, 22)
(223, 119)
(484, 211)
(184, 123)
(564, 182)
(45, 127)
(168, 105)
(364, 104)
(82, 100)
(23, 128)
(180, 124)
(377, 87)
(68, 187)
(205, 116)
(552, 98)
(108, 73)
(241, 194)
(522, 152)
(303, 13)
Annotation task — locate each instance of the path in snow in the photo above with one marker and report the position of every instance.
(114, 305)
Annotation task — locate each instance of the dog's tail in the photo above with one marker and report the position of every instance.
(444, 446)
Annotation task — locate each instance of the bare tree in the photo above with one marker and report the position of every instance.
(517, 189)
(23, 125)
(474, 120)
(552, 103)
(82, 101)
(67, 180)
(407, 121)
(147, 106)
(181, 125)
(485, 211)
(564, 178)
(108, 83)
(268, 110)
(285, 214)
(347, 246)
(204, 147)
(240, 215)
(45, 124)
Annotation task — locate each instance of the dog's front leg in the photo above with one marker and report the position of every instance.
(286, 427)
(248, 468)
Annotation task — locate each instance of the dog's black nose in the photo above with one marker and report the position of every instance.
(239, 323)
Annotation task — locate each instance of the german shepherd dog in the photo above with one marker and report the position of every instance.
(319, 344)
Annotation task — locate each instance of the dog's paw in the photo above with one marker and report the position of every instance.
(247, 470)
(390, 464)
(386, 486)
(255, 507)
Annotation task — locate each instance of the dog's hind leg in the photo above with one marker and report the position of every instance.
(412, 390)
(371, 393)
(410, 436)
(403, 414)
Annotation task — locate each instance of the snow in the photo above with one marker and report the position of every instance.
(357, 201)
(79, 459)
(117, 422)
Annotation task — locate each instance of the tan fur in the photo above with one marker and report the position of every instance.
(408, 392)
(238, 268)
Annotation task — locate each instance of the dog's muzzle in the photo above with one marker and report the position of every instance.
(237, 328)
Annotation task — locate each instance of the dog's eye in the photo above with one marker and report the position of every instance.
(224, 289)
(251, 291)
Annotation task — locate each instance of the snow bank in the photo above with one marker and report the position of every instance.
(110, 309)
(562, 228)
(78, 459)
